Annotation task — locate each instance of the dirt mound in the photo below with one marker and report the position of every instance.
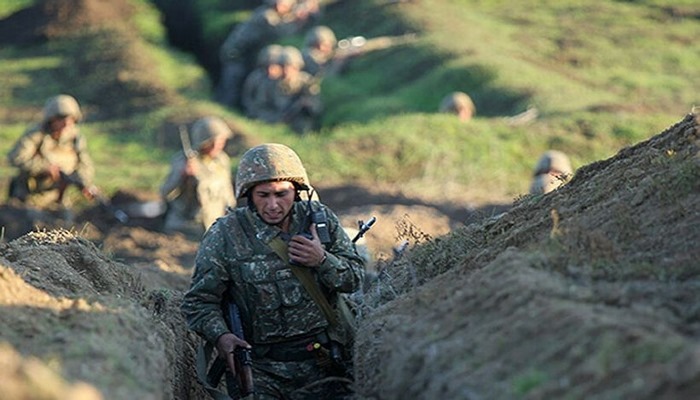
(64, 303)
(54, 18)
(590, 291)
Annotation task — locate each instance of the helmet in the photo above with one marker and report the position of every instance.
(275, 2)
(271, 54)
(318, 35)
(269, 162)
(292, 56)
(456, 101)
(553, 160)
(62, 105)
(207, 129)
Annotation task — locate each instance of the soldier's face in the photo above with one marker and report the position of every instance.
(215, 147)
(273, 201)
(58, 125)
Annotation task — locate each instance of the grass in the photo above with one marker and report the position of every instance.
(599, 81)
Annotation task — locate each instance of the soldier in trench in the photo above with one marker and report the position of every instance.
(284, 273)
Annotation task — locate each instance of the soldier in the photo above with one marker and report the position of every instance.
(319, 48)
(249, 255)
(199, 187)
(51, 156)
(258, 88)
(238, 53)
(297, 94)
(458, 103)
(553, 169)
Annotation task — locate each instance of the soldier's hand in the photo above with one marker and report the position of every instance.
(226, 344)
(90, 192)
(55, 172)
(191, 168)
(305, 251)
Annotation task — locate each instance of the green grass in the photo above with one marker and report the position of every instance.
(602, 76)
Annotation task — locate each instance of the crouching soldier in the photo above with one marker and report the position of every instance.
(51, 156)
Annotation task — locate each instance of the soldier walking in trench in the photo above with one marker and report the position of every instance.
(284, 273)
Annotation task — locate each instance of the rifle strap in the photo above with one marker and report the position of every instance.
(306, 278)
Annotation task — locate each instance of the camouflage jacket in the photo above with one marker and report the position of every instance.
(264, 26)
(258, 96)
(294, 96)
(275, 307)
(36, 150)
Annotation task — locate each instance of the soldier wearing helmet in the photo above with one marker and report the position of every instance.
(553, 169)
(319, 48)
(460, 104)
(269, 22)
(297, 98)
(272, 260)
(51, 156)
(258, 88)
(199, 187)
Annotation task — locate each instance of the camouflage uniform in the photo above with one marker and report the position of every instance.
(297, 100)
(280, 318)
(195, 202)
(458, 103)
(319, 48)
(259, 86)
(553, 169)
(239, 51)
(36, 150)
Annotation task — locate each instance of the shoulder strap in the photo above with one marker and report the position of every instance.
(306, 278)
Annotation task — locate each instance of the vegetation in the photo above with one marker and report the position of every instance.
(598, 81)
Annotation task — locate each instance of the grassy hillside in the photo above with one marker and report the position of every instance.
(602, 77)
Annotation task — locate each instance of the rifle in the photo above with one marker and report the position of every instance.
(243, 357)
(363, 228)
(353, 46)
(102, 202)
(186, 145)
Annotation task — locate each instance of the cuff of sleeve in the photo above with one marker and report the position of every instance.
(212, 334)
(330, 264)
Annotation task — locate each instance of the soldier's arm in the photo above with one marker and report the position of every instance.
(343, 268)
(202, 302)
(25, 153)
(85, 169)
(169, 189)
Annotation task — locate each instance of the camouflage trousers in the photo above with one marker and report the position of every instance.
(296, 380)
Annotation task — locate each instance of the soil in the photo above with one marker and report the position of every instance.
(588, 292)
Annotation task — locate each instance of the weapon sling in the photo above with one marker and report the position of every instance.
(307, 279)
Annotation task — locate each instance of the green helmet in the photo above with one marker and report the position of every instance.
(206, 129)
(292, 56)
(275, 2)
(553, 161)
(269, 55)
(318, 35)
(62, 105)
(267, 163)
(456, 101)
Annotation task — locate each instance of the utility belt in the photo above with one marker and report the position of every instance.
(317, 347)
